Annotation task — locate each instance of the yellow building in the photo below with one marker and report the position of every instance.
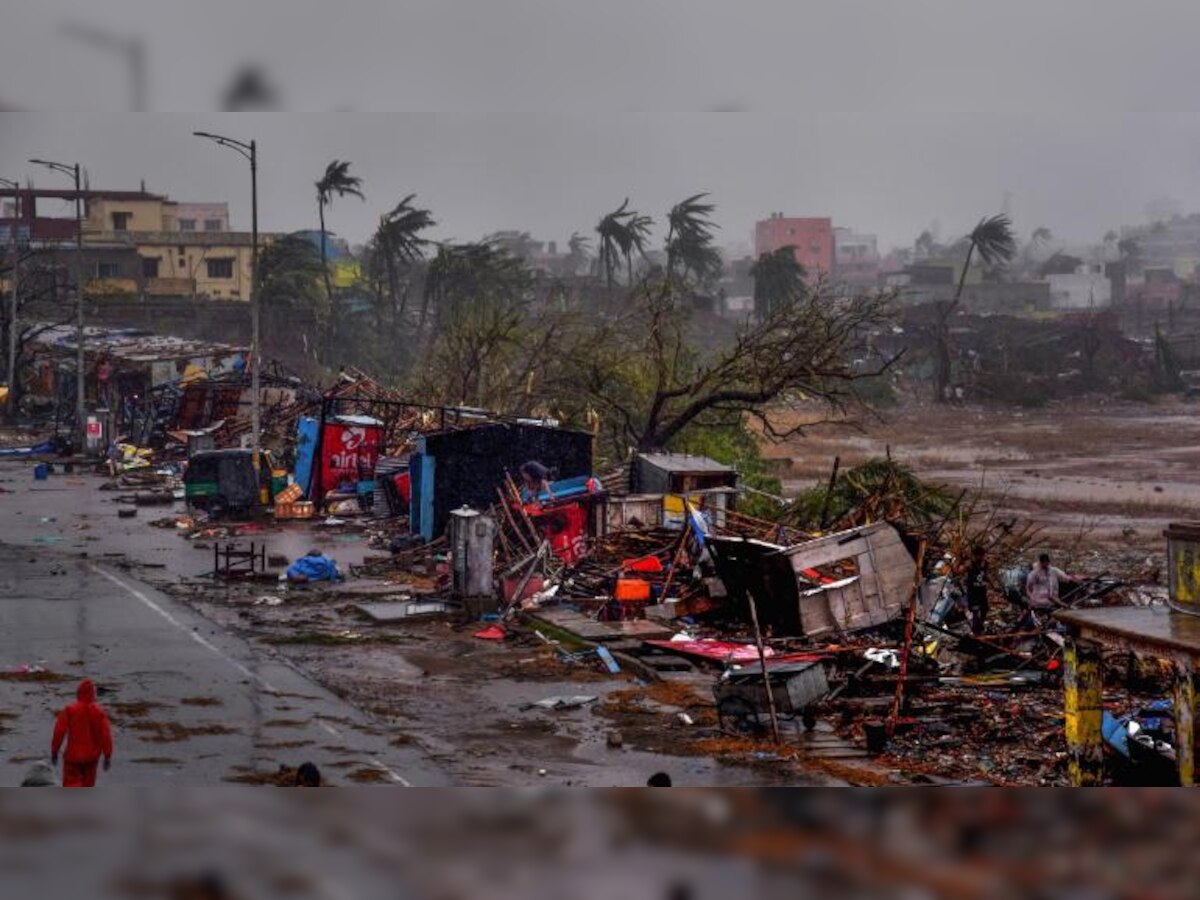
(131, 212)
(199, 264)
(184, 249)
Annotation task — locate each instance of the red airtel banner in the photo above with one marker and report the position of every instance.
(348, 454)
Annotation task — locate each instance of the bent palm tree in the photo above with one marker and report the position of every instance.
(336, 180)
(621, 232)
(995, 243)
(614, 238)
(690, 239)
(399, 241)
(637, 231)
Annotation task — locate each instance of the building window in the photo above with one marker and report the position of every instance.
(108, 270)
(220, 268)
(212, 224)
(187, 224)
(120, 221)
(149, 266)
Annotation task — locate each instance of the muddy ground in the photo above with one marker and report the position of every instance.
(1102, 478)
(469, 702)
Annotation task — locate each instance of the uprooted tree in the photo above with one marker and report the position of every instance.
(653, 381)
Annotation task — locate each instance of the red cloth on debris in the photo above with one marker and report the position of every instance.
(645, 564)
(711, 649)
(492, 633)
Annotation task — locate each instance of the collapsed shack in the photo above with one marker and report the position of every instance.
(831, 586)
(124, 369)
(214, 412)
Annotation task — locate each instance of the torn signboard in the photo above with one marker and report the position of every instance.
(839, 583)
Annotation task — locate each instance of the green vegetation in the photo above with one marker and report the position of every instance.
(876, 490)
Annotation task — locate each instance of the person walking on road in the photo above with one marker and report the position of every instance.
(84, 726)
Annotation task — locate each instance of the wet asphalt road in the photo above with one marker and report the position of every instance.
(75, 616)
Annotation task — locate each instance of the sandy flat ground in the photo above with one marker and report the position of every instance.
(1093, 473)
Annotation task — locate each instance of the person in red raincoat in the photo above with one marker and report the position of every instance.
(84, 725)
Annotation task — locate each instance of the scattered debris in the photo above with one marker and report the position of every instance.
(573, 701)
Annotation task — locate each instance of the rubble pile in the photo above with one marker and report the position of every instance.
(841, 625)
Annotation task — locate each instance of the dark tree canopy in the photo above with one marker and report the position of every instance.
(778, 278)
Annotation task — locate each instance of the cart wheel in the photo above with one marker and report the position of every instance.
(737, 714)
(809, 719)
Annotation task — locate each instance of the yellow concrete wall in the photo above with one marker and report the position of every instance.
(147, 215)
(190, 261)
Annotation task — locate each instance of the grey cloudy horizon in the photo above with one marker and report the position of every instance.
(551, 174)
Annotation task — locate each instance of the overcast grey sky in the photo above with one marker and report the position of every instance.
(889, 115)
(553, 173)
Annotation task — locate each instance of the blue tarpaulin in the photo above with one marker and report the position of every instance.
(306, 451)
(46, 447)
(314, 567)
(1116, 732)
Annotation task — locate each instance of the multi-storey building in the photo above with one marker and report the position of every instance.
(811, 240)
(170, 248)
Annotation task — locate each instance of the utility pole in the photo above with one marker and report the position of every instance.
(13, 288)
(80, 410)
(250, 152)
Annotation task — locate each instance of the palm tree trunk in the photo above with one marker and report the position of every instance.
(962, 279)
(942, 362)
(324, 256)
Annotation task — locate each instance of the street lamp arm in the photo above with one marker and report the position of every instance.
(240, 146)
(56, 166)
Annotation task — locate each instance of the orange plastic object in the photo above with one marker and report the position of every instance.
(632, 590)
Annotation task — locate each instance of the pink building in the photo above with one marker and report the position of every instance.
(810, 239)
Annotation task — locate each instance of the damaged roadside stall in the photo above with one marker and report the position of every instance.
(473, 467)
(344, 479)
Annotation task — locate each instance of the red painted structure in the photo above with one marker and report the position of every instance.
(810, 238)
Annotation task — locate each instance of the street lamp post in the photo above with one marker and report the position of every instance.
(250, 152)
(80, 411)
(14, 286)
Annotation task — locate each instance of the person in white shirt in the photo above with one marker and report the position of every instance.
(1041, 587)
